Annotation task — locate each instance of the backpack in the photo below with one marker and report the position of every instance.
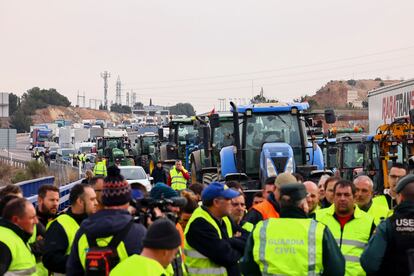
(101, 260)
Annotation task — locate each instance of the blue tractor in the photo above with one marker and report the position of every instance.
(270, 139)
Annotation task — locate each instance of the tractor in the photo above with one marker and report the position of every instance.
(147, 151)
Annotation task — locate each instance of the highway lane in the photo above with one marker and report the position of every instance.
(21, 151)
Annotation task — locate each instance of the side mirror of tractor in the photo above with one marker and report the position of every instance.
(330, 116)
(161, 134)
(214, 121)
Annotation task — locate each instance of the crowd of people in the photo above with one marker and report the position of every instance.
(293, 227)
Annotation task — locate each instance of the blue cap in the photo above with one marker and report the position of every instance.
(216, 189)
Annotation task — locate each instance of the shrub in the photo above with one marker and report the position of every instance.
(35, 169)
(19, 176)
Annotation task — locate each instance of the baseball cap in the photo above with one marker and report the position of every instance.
(216, 189)
(285, 178)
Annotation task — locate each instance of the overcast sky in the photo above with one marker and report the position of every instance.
(199, 51)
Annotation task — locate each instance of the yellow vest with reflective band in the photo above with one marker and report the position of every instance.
(277, 242)
(83, 248)
(352, 239)
(197, 263)
(100, 169)
(378, 211)
(23, 261)
(178, 182)
(141, 265)
(70, 226)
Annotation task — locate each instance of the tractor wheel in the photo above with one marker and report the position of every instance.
(209, 177)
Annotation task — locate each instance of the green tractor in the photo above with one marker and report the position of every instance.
(116, 150)
(147, 151)
(183, 138)
(217, 132)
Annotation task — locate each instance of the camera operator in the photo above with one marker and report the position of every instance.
(164, 202)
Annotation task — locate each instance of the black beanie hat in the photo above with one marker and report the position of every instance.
(162, 234)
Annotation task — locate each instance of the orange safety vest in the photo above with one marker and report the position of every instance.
(266, 209)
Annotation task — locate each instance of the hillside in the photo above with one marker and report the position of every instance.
(334, 93)
(75, 114)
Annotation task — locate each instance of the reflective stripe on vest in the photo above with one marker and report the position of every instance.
(352, 239)
(197, 263)
(278, 241)
(69, 225)
(178, 182)
(266, 209)
(23, 261)
(83, 248)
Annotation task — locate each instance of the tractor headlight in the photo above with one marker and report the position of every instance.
(289, 166)
(270, 168)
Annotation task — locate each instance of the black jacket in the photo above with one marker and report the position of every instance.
(5, 254)
(203, 237)
(159, 175)
(56, 243)
(106, 223)
(333, 261)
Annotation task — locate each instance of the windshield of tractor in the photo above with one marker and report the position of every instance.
(352, 159)
(223, 135)
(270, 128)
(187, 133)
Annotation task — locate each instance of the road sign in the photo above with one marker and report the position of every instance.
(7, 138)
(4, 105)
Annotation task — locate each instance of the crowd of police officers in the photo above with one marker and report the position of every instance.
(294, 227)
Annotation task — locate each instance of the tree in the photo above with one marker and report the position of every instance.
(20, 121)
(37, 98)
(14, 102)
(138, 105)
(182, 109)
(121, 109)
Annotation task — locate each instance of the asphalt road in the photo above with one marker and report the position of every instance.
(21, 151)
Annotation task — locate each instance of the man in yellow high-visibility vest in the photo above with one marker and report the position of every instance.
(16, 228)
(178, 177)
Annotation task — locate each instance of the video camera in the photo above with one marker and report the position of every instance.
(145, 209)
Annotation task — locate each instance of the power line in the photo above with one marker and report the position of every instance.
(265, 77)
(283, 68)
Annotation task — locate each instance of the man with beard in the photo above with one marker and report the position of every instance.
(61, 231)
(48, 203)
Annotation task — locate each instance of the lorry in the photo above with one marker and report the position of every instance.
(387, 103)
(39, 135)
(269, 139)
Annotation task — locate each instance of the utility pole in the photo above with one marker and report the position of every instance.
(118, 99)
(127, 98)
(80, 97)
(134, 98)
(105, 75)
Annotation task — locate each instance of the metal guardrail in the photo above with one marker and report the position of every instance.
(64, 192)
(30, 187)
(13, 162)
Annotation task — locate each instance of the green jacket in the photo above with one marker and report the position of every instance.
(333, 261)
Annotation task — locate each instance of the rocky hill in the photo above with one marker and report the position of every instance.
(334, 93)
(76, 115)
